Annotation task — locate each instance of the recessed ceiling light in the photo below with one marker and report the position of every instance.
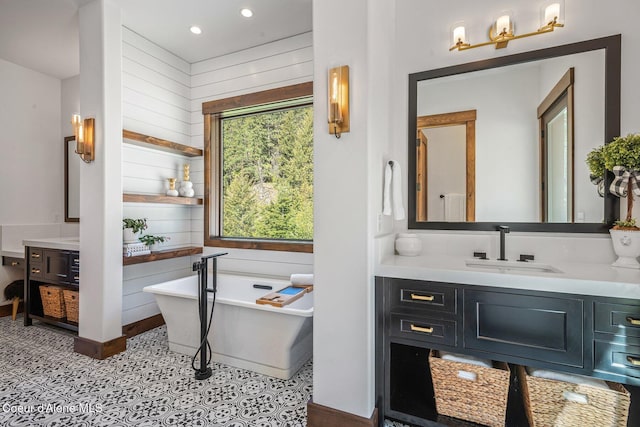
(196, 30)
(247, 13)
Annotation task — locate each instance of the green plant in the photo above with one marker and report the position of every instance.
(595, 161)
(623, 153)
(150, 239)
(137, 225)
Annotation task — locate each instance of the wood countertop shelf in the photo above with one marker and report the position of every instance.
(157, 256)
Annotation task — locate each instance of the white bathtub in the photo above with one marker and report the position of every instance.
(261, 338)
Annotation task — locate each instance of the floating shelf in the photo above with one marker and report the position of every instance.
(157, 256)
(152, 198)
(136, 138)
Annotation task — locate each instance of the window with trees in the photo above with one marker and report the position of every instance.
(259, 170)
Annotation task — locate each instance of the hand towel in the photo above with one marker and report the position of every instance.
(466, 359)
(302, 279)
(454, 207)
(396, 181)
(386, 195)
(568, 378)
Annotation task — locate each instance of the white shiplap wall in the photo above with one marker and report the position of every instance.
(162, 97)
(156, 91)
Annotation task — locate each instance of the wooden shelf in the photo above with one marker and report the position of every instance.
(136, 138)
(152, 198)
(157, 256)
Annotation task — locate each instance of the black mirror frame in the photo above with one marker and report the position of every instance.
(67, 218)
(612, 49)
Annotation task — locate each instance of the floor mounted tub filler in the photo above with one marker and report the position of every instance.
(274, 341)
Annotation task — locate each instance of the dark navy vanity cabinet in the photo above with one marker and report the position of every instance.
(580, 334)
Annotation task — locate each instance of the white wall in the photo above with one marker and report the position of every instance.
(31, 165)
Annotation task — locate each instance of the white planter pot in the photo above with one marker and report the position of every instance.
(626, 244)
(408, 244)
(155, 247)
(128, 236)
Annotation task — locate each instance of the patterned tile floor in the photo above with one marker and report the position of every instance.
(44, 383)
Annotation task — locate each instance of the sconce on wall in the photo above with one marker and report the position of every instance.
(502, 31)
(338, 102)
(85, 137)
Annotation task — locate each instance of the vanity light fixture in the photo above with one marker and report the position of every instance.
(502, 31)
(85, 137)
(338, 100)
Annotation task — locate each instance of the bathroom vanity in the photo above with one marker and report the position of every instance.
(50, 261)
(554, 321)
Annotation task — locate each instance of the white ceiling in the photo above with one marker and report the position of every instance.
(43, 34)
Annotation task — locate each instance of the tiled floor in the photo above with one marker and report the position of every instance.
(147, 385)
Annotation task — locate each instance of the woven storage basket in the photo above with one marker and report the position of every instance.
(557, 403)
(481, 399)
(71, 303)
(52, 301)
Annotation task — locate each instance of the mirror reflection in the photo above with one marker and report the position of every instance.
(508, 144)
(71, 181)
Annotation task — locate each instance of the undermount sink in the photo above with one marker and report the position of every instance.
(511, 266)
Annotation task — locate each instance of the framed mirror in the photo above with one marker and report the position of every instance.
(71, 181)
(504, 141)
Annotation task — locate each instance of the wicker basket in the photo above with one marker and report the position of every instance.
(470, 392)
(71, 303)
(558, 403)
(52, 301)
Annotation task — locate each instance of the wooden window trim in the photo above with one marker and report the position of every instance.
(212, 111)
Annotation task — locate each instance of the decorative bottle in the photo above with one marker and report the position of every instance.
(186, 188)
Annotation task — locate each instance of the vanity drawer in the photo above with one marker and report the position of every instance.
(35, 256)
(617, 359)
(36, 271)
(433, 296)
(424, 329)
(13, 262)
(618, 319)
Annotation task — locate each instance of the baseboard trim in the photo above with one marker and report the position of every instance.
(324, 416)
(144, 325)
(99, 350)
(5, 310)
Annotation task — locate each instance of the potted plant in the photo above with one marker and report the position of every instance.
(131, 227)
(622, 157)
(153, 241)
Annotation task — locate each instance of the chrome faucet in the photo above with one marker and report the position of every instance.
(503, 229)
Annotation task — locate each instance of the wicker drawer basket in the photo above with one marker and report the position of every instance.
(71, 303)
(52, 301)
(558, 403)
(470, 392)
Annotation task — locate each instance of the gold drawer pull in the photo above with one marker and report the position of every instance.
(415, 328)
(634, 322)
(633, 361)
(35, 270)
(76, 261)
(14, 263)
(34, 255)
(76, 277)
(422, 297)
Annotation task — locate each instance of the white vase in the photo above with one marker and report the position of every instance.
(128, 236)
(408, 244)
(186, 189)
(626, 244)
(155, 247)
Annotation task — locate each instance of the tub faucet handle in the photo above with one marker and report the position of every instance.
(480, 255)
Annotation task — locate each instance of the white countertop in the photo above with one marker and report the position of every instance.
(65, 243)
(575, 278)
(13, 253)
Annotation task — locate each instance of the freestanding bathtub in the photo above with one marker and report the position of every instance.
(270, 340)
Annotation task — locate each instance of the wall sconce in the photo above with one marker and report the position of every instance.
(338, 102)
(502, 31)
(85, 137)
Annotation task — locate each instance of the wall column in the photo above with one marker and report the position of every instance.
(100, 330)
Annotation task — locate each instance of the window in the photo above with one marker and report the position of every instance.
(259, 170)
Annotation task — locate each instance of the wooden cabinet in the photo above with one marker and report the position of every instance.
(49, 266)
(581, 334)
